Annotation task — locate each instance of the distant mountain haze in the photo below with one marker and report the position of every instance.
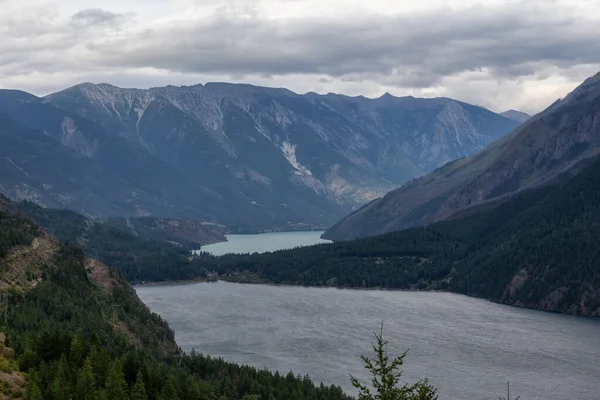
(247, 157)
(515, 115)
(552, 144)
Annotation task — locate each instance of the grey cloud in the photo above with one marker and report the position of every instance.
(97, 16)
(416, 50)
(31, 43)
(486, 55)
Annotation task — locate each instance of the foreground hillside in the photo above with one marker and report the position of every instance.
(76, 330)
(537, 153)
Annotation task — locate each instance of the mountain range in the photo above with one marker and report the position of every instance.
(553, 145)
(245, 157)
(514, 223)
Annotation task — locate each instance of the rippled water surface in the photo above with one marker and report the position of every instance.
(264, 242)
(468, 347)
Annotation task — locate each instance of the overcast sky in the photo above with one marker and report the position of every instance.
(496, 53)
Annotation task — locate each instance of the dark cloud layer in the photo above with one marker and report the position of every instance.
(490, 54)
(415, 50)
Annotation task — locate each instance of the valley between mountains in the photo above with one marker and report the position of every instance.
(299, 200)
(506, 223)
(550, 147)
(510, 217)
(249, 158)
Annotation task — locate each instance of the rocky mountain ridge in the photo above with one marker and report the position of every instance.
(246, 157)
(551, 144)
(367, 133)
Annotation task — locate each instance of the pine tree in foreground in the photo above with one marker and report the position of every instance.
(508, 393)
(386, 375)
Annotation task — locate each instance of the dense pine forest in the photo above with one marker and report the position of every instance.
(536, 250)
(76, 330)
(138, 257)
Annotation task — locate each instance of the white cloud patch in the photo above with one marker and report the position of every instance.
(496, 53)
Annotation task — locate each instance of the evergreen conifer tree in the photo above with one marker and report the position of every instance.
(138, 392)
(85, 388)
(76, 352)
(168, 392)
(386, 377)
(33, 389)
(116, 387)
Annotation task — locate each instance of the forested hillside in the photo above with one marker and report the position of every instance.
(183, 232)
(140, 257)
(538, 250)
(71, 226)
(77, 330)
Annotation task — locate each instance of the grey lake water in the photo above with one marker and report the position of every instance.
(264, 242)
(469, 348)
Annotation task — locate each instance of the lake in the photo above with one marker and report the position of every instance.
(264, 242)
(469, 348)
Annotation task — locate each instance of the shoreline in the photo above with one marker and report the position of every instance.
(202, 280)
(267, 283)
(172, 283)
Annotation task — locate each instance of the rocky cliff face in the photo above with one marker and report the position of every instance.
(243, 156)
(548, 145)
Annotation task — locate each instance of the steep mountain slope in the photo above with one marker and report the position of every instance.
(115, 177)
(554, 142)
(32, 261)
(515, 115)
(277, 150)
(117, 245)
(537, 250)
(72, 227)
(37, 167)
(60, 159)
(187, 233)
(76, 330)
(142, 250)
